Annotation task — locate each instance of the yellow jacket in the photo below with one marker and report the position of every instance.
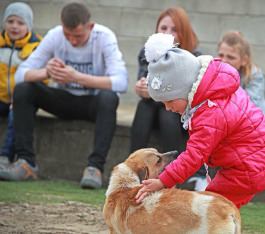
(11, 55)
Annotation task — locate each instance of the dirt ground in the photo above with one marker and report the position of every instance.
(67, 218)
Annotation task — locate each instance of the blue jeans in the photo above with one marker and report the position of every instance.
(9, 143)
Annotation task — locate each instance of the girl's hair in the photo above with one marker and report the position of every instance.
(186, 36)
(236, 40)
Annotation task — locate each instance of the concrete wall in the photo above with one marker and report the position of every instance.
(134, 21)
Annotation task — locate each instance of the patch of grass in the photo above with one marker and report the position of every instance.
(44, 191)
(253, 218)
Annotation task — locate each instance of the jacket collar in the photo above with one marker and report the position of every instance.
(204, 61)
(188, 113)
(5, 40)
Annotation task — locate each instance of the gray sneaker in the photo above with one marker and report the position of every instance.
(4, 162)
(92, 178)
(18, 171)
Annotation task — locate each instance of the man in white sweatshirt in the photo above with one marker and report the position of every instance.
(85, 72)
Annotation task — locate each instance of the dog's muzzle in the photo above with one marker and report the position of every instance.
(173, 154)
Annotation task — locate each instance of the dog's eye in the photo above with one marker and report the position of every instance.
(159, 159)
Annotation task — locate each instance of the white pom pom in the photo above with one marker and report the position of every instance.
(157, 45)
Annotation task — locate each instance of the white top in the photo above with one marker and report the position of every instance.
(100, 56)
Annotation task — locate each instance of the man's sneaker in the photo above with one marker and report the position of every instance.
(200, 182)
(18, 171)
(4, 162)
(92, 178)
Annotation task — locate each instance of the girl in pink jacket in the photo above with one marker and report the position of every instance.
(226, 129)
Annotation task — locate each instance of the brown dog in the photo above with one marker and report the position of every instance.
(168, 211)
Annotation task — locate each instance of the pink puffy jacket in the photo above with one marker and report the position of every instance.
(229, 134)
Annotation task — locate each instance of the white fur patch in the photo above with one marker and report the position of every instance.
(152, 201)
(200, 205)
(122, 177)
(204, 61)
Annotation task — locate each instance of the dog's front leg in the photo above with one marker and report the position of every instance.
(111, 231)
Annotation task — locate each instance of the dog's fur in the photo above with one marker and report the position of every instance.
(167, 211)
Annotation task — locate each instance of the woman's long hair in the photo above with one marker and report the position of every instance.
(186, 36)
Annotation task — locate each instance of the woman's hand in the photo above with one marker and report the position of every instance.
(141, 88)
(150, 185)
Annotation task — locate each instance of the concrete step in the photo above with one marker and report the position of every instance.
(62, 146)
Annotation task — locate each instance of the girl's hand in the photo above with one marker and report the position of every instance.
(150, 185)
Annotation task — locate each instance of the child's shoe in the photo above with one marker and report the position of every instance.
(4, 162)
(19, 171)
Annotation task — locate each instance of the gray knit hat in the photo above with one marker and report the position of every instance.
(172, 74)
(22, 10)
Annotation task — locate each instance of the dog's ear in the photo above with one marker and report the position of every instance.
(143, 174)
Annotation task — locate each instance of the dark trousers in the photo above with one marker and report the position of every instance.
(8, 147)
(151, 115)
(100, 108)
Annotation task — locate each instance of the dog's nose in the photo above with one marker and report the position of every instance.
(173, 154)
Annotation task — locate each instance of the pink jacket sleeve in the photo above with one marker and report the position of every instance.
(208, 129)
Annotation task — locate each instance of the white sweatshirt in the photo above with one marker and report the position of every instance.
(100, 56)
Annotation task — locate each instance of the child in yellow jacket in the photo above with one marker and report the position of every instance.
(17, 41)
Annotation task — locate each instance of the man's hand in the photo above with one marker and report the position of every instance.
(52, 64)
(150, 185)
(59, 72)
(141, 88)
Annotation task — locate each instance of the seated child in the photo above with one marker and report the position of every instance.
(226, 129)
(235, 50)
(17, 41)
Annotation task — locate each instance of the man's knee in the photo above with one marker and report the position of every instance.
(22, 90)
(108, 99)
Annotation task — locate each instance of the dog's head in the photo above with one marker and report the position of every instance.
(143, 164)
(148, 163)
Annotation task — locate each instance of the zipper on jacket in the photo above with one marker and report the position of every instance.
(9, 73)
